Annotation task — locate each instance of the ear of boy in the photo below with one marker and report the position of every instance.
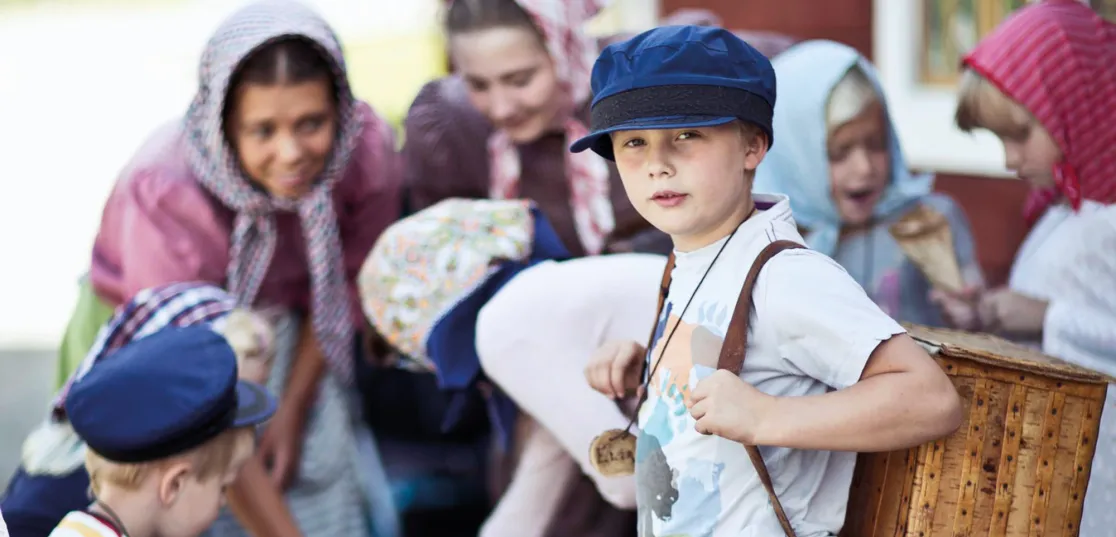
(755, 146)
(172, 481)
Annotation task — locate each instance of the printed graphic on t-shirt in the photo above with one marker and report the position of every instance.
(683, 500)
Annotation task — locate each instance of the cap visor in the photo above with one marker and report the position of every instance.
(595, 140)
(254, 404)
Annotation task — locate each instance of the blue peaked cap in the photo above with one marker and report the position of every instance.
(675, 77)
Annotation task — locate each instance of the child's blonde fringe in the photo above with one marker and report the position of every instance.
(981, 105)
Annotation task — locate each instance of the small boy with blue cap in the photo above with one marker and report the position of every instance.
(168, 425)
(686, 113)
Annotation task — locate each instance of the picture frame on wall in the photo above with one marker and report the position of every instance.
(1107, 8)
(921, 89)
(951, 27)
(918, 46)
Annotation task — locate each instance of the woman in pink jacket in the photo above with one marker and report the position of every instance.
(274, 186)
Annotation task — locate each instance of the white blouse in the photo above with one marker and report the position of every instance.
(1069, 260)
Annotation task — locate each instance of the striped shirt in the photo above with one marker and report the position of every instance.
(82, 524)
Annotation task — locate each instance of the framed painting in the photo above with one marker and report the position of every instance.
(917, 45)
(952, 27)
(1107, 8)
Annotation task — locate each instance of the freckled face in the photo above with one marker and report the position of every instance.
(694, 184)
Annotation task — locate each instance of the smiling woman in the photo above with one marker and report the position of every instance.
(499, 129)
(520, 94)
(281, 117)
(274, 186)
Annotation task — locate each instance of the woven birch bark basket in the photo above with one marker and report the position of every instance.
(1018, 465)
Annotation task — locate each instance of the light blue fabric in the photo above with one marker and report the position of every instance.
(798, 165)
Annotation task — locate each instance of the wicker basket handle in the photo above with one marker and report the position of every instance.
(734, 349)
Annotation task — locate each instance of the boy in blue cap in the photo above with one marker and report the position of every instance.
(168, 426)
(685, 112)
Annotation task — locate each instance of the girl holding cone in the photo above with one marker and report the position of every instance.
(1043, 82)
(849, 184)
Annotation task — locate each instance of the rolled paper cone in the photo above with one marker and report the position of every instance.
(926, 239)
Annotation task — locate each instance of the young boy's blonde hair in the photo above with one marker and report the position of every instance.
(850, 97)
(209, 460)
(981, 105)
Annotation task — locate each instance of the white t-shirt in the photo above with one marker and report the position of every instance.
(813, 331)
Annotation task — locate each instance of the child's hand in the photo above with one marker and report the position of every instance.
(728, 407)
(959, 310)
(615, 368)
(1007, 312)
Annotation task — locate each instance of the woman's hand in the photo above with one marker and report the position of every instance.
(1007, 312)
(258, 505)
(959, 309)
(281, 447)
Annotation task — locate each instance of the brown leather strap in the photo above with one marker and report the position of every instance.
(664, 288)
(735, 348)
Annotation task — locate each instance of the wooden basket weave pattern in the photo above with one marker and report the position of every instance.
(1018, 465)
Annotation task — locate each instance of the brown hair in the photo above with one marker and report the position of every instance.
(210, 459)
(982, 105)
(466, 16)
(287, 60)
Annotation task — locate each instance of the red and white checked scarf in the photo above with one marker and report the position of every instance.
(215, 164)
(1058, 59)
(562, 23)
(149, 311)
